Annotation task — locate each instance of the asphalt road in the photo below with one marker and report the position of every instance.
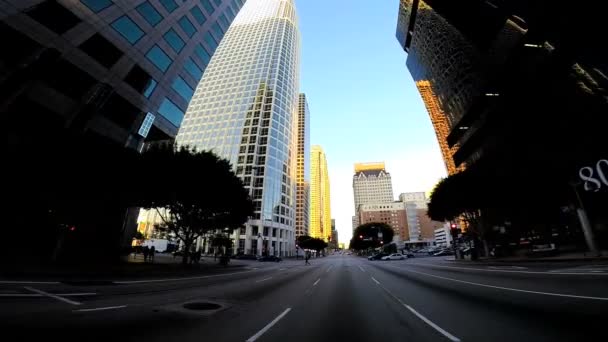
(337, 298)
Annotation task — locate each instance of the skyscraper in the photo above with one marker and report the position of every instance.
(320, 208)
(123, 71)
(303, 168)
(245, 110)
(371, 185)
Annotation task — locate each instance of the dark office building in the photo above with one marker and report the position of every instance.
(123, 69)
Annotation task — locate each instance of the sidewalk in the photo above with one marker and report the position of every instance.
(563, 257)
(132, 269)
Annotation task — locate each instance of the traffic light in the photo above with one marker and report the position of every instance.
(360, 236)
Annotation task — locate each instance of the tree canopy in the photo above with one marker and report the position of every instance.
(307, 242)
(366, 235)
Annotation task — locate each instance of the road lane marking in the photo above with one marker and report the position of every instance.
(59, 298)
(435, 326)
(316, 282)
(329, 269)
(506, 271)
(419, 315)
(361, 268)
(282, 269)
(39, 295)
(178, 279)
(509, 288)
(101, 309)
(259, 281)
(268, 326)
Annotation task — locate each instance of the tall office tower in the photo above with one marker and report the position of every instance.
(120, 70)
(245, 109)
(303, 168)
(391, 213)
(320, 208)
(371, 185)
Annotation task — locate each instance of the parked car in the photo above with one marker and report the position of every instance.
(444, 252)
(377, 256)
(270, 258)
(394, 256)
(409, 254)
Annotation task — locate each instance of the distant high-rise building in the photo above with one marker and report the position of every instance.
(371, 185)
(303, 168)
(245, 110)
(124, 71)
(334, 236)
(320, 208)
(391, 213)
(419, 198)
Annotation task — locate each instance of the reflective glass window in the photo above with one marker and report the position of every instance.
(97, 5)
(211, 42)
(176, 43)
(198, 15)
(171, 112)
(217, 29)
(217, 2)
(193, 69)
(202, 53)
(187, 26)
(182, 88)
(159, 58)
(169, 5)
(208, 6)
(149, 13)
(128, 29)
(222, 18)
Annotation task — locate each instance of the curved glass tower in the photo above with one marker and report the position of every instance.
(245, 109)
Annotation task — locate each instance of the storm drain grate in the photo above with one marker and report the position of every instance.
(202, 306)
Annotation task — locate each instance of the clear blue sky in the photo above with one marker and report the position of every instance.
(363, 102)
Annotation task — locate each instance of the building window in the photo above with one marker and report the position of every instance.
(208, 6)
(183, 89)
(53, 16)
(187, 26)
(141, 81)
(149, 13)
(101, 50)
(217, 2)
(128, 29)
(211, 42)
(202, 53)
(219, 32)
(176, 43)
(97, 5)
(224, 21)
(169, 5)
(171, 112)
(159, 58)
(146, 125)
(198, 15)
(193, 69)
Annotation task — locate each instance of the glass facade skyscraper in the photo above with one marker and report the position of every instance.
(124, 70)
(320, 201)
(303, 169)
(245, 110)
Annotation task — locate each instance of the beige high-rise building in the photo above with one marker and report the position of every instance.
(320, 208)
(371, 185)
(303, 169)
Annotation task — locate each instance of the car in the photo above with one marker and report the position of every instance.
(444, 252)
(394, 256)
(409, 254)
(246, 257)
(270, 258)
(377, 256)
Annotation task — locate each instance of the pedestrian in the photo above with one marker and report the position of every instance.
(152, 253)
(146, 253)
(306, 258)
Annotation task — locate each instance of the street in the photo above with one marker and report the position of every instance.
(337, 298)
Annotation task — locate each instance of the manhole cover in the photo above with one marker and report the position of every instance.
(201, 306)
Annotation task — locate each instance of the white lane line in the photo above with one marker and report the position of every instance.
(361, 268)
(101, 309)
(509, 288)
(282, 269)
(259, 281)
(424, 319)
(29, 282)
(435, 326)
(179, 279)
(59, 298)
(268, 326)
(16, 295)
(507, 271)
(316, 282)
(329, 269)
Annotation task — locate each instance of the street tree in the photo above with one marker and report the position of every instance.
(366, 236)
(202, 195)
